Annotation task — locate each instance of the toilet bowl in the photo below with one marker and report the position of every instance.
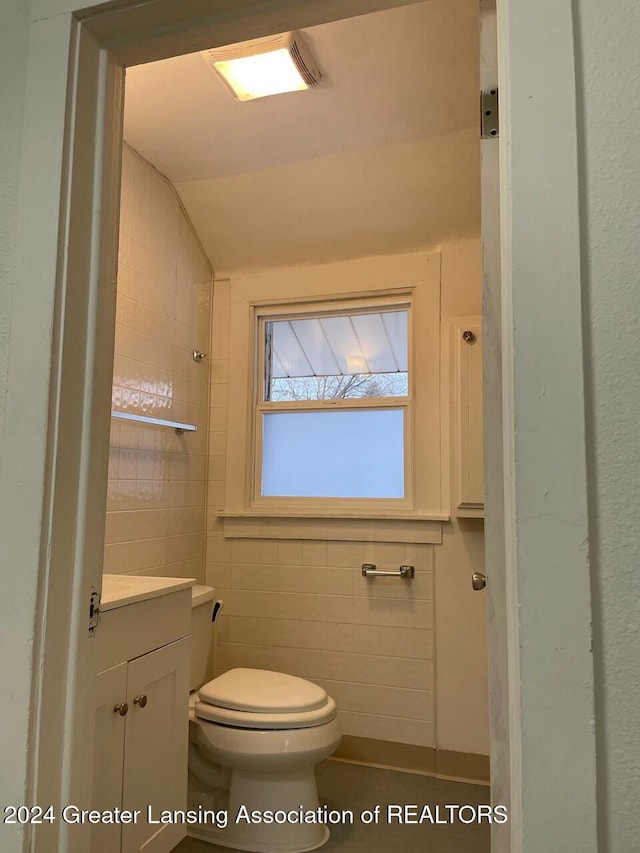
(255, 737)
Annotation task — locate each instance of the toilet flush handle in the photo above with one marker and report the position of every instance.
(140, 700)
(478, 580)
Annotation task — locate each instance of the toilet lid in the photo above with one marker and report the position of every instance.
(264, 692)
(272, 720)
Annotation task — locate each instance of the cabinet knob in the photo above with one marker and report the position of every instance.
(468, 336)
(121, 709)
(140, 700)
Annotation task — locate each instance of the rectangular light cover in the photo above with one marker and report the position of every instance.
(264, 74)
(336, 454)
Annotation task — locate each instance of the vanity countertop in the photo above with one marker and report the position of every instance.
(119, 590)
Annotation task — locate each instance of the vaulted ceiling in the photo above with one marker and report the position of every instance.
(382, 156)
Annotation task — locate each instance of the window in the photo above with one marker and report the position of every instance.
(334, 406)
(334, 402)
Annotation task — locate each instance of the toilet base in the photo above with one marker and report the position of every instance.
(270, 796)
(211, 835)
(217, 836)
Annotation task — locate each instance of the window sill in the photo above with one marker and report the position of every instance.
(339, 527)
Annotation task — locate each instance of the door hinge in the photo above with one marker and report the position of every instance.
(489, 119)
(94, 611)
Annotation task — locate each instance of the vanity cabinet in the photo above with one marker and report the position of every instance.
(108, 755)
(466, 400)
(141, 739)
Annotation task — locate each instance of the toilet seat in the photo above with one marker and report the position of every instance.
(254, 720)
(261, 699)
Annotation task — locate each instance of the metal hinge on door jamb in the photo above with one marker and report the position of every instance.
(94, 611)
(489, 119)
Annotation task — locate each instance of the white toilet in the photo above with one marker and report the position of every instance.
(255, 737)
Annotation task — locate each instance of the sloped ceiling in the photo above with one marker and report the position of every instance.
(381, 157)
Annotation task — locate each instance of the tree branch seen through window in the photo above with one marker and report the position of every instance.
(350, 386)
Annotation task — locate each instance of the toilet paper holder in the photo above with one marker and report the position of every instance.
(370, 570)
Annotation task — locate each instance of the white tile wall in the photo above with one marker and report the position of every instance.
(157, 480)
(303, 606)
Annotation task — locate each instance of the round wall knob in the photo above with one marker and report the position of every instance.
(121, 709)
(140, 700)
(478, 580)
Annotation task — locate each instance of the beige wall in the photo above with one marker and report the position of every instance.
(299, 606)
(461, 616)
(157, 479)
(303, 606)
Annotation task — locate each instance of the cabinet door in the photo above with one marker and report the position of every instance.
(108, 755)
(467, 398)
(155, 764)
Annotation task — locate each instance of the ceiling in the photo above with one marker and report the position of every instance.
(382, 156)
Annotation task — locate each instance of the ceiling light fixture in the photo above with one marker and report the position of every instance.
(268, 66)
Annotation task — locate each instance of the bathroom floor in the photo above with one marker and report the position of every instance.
(357, 788)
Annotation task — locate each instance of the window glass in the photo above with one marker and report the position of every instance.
(356, 355)
(334, 454)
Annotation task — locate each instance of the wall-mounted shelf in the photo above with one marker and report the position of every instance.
(143, 419)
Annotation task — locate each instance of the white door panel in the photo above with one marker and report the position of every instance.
(155, 766)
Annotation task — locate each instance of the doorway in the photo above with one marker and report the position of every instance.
(99, 44)
(291, 194)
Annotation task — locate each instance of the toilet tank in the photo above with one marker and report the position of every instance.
(201, 633)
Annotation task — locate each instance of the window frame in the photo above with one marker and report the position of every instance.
(307, 310)
(370, 283)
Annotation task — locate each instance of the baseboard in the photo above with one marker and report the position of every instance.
(462, 766)
(424, 760)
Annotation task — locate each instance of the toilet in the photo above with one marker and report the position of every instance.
(255, 737)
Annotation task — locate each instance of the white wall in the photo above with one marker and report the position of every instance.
(303, 606)
(17, 603)
(156, 493)
(609, 82)
(13, 53)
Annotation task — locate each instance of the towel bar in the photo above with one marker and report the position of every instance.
(143, 419)
(369, 570)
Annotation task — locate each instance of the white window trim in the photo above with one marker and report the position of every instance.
(342, 506)
(413, 278)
